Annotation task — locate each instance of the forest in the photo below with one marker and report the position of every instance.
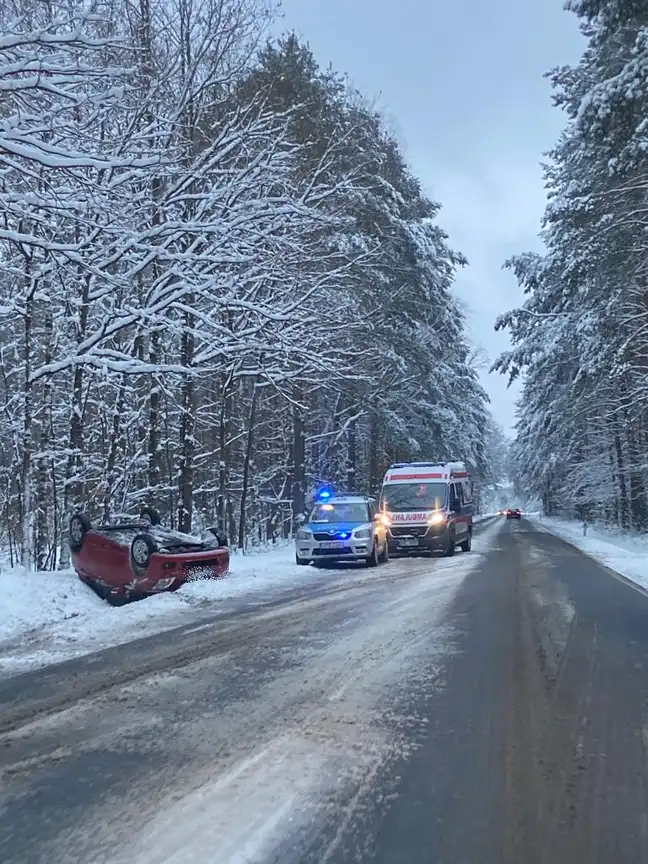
(220, 283)
(580, 340)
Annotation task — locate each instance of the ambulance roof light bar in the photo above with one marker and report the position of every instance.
(415, 464)
(451, 465)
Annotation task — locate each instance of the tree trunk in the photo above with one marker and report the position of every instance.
(231, 521)
(43, 549)
(637, 487)
(298, 458)
(374, 478)
(113, 450)
(27, 434)
(334, 459)
(624, 508)
(154, 437)
(352, 458)
(246, 469)
(73, 485)
(187, 430)
(223, 449)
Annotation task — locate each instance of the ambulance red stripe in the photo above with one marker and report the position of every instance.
(416, 477)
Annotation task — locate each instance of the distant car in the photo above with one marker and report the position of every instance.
(132, 560)
(513, 513)
(344, 528)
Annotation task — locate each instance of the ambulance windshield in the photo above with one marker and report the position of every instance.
(401, 497)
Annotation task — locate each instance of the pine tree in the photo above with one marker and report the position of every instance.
(581, 335)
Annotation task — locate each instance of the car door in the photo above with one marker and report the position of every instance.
(468, 504)
(456, 504)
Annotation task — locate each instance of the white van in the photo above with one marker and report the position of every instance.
(428, 506)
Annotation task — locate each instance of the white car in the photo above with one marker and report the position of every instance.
(342, 529)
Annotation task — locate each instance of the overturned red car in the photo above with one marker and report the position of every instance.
(132, 560)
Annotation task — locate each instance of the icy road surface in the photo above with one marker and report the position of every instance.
(486, 709)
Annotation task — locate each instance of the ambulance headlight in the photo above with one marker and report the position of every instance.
(436, 518)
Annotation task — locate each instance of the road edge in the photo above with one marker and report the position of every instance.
(626, 580)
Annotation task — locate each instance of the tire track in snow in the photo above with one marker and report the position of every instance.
(251, 732)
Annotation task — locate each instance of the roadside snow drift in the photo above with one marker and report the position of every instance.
(624, 553)
(48, 617)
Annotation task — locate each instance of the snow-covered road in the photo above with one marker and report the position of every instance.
(283, 716)
(49, 617)
(490, 708)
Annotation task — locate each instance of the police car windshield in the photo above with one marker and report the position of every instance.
(340, 512)
(401, 497)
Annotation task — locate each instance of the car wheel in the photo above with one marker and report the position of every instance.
(384, 558)
(373, 560)
(142, 548)
(218, 534)
(78, 528)
(303, 562)
(466, 546)
(450, 549)
(150, 515)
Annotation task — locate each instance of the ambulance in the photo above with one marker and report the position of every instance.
(427, 506)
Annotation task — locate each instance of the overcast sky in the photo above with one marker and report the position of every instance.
(461, 83)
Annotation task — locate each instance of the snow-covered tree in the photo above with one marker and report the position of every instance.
(220, 282)
(581, 335)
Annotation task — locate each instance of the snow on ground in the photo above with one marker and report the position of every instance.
(48, 617)
(621, 551)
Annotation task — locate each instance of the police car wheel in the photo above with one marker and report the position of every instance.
(373, 560)
(303, 562)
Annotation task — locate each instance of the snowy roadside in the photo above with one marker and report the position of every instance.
(49, 617)
(626, 554)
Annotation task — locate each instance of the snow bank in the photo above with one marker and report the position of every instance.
(46, 617)
(49, 617)
(622, 552)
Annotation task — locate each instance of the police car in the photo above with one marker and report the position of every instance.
(342, 528)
